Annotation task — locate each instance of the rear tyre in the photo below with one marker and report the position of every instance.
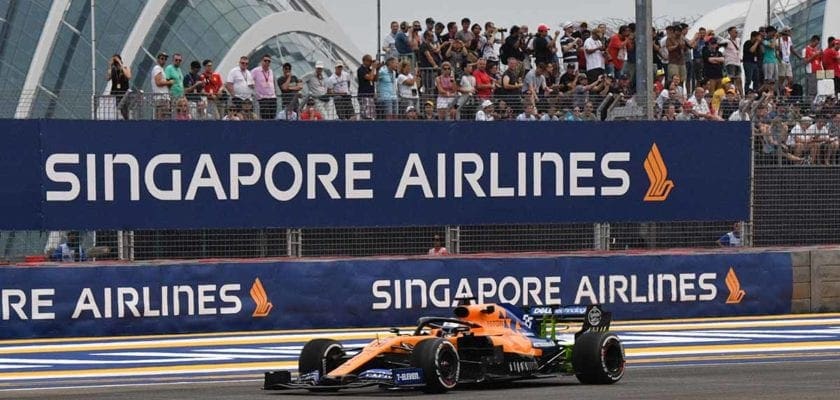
(322, 355)
(598, 358)
(440, 364)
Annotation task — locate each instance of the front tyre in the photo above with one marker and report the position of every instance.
(440, 364)
(598, 358)
(322, 355)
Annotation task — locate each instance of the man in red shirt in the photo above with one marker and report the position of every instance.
(830, 62)
(812, 55)
(617, 49)
(483, 81)
(212, 84)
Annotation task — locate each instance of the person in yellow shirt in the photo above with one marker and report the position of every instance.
(719, 94)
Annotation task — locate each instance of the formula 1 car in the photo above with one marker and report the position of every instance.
(482, 343)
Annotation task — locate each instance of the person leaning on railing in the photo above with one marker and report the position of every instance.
(407, 87)
(212, 89)
(160, 88)
(447, 89)
(366, 77)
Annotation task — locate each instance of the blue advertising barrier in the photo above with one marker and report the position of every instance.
(171, 175)
(121, 300)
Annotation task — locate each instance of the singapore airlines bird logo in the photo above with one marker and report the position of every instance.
(261, 299)
(657, 172)
(736, 294)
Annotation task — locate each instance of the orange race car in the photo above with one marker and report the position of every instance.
(481, 343)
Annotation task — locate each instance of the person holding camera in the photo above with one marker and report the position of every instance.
(119, 74)
(569, 45)
(595, 61)
(407, 84)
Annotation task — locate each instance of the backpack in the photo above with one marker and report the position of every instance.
(505, 52)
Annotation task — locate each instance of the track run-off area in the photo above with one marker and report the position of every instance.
(51, 368)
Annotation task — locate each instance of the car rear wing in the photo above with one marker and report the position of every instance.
(593, 318)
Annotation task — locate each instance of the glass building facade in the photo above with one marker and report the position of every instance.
(198, 29)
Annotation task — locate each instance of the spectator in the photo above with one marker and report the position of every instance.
(831, 61)
(821, 142)
(545, 48)
(730, 103)
(193, 86)
(770, 63)
(732, 238)
(182, 109)
(801, 142)
(465, 35)
(316, 87)
(701, 106)
(407, 84)
(676, 89)
(529, 114)
(752, 59)
(483, 81)
(447, 89)
(569, 45)
(401, 41)
(290, 86)
(366, 76)
(732, 58)
(474, 46)
(512, 86)
(240, 84)
(451, 31)
(487, 47)
(786, 49)
(467, 87)
(582, 88)
(289, 111)
(415, 38)
(437, 247)
(630, 64)
(833, 144)
(617, 49)
(232, 114)
(310, 112)
(264, 89)
(119, 75)
(439, 28)
(389, 43)
(160, 88)
(695, 74)
(430, 27)
(588, 113)
(429, 113)
(812, 57)
(670, 112)
(387, 89)
(486, 111)
(594, 49)
(338, 86)
(568, 78)
(535, 83)
(212, 89)
(687, 113)
(511, 47)
(713, 61)
(457, 57)
(411, 113)
(428, 61)
(173, 73)
(676, 44)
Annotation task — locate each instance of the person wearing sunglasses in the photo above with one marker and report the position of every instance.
(240, 83)
(264, 88)
(160, 88)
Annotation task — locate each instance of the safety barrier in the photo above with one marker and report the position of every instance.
(57, 301)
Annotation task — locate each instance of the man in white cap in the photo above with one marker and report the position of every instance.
(316, 86)
(411, 113)
(486, 111)
(338, 85)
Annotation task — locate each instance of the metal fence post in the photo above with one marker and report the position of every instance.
(294, 243)
(453, 239)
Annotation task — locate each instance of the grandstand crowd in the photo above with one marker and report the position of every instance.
(470, 71)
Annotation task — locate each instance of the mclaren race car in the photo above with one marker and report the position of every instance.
(480, 343)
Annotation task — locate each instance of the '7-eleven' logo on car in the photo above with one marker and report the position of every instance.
(260, 299)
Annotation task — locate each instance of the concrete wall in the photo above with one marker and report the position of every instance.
(816, 281)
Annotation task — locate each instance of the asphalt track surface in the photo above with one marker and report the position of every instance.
(785, 357)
